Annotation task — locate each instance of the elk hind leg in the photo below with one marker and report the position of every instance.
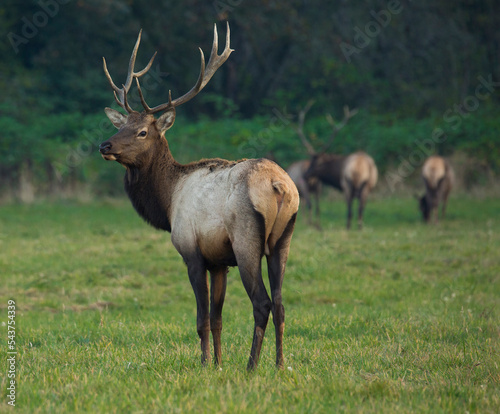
(248, 257)
(276, 263)
(363, 195)
(443, 205)
(218, 279)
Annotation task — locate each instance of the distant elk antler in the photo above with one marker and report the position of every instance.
(309, 189)
(355, 175)
(348, 114)
(299, 129)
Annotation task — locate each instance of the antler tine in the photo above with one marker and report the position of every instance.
(214, 62)
(126, 106)
(118, 101)
(121, 93)
(348, 114)
(300, 128)
(108, 76)
(143, 101)
(131, 74)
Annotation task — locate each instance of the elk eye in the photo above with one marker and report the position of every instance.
(142, 134)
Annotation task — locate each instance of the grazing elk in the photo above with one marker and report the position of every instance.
(439, 178)
(307, 188)
(355, 175)
(220, 213)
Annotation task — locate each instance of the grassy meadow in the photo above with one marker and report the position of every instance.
(398, 318)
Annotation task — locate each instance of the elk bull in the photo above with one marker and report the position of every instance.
(355, 175)
(220, 213)
(439, 179)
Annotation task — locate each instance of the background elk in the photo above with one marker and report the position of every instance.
(308, 189)
(438, 178)
(220, 213)
(355, 175)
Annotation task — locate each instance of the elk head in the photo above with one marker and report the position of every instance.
(139, 133)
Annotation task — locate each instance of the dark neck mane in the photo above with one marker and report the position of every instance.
(150, 187)
(330, 172)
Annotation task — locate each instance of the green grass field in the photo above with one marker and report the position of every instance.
(400, 317)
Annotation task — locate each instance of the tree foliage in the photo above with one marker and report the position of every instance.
(393, 59)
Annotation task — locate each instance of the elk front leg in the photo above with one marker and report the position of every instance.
(198, 278)
(218, 283)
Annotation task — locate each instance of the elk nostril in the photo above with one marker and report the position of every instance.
(105, 147)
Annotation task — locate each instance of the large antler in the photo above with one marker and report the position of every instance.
(348, 114)
(300, 128)
(214, 62)
(121, 93)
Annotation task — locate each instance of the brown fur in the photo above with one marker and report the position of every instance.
(275, 202)
(220, 213)
(439, 179)
(308, 189)
(254, 213)
(355, 175)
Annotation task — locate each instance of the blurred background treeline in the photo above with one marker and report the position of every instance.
(425, 76)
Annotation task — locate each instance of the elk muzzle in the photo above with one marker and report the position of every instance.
(106, 151)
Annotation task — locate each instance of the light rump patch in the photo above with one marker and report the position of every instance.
(439, 178)
(276, 199)
(359, 168)
(433, 170)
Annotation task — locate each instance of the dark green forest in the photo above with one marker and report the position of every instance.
(424, 75)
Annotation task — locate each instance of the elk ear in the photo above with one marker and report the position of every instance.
(116, 118)
(166, 121)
